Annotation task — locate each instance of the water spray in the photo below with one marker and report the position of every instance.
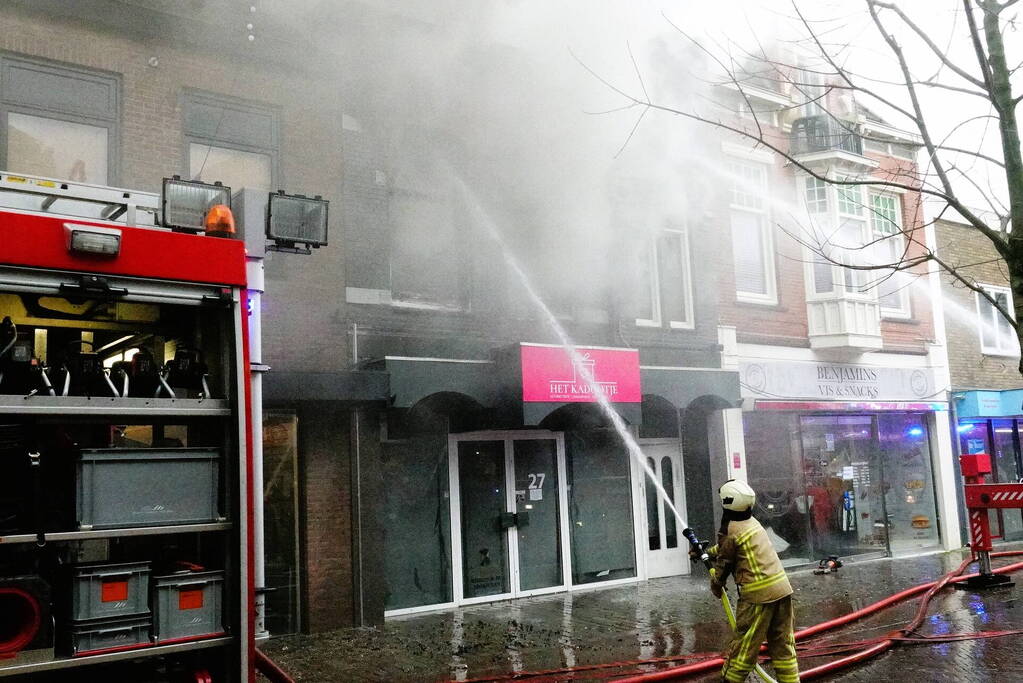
(584, 370)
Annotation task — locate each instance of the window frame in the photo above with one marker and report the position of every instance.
(655, 286)
(980, 302)
(763, 214)
(904, 310)
(111, 121)
(190, 98)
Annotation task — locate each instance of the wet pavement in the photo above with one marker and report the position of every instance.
(665, 618)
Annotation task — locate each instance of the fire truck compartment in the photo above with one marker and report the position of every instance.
(119, 488)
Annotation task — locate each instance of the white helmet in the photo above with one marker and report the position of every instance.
(737, 496)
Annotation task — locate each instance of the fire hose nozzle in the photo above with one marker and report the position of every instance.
(699, 548)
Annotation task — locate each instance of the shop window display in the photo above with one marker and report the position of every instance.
(842, 484)
(909, 484)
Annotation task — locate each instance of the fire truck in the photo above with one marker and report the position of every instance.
(128, 457)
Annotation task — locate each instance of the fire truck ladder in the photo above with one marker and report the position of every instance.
(63, 197)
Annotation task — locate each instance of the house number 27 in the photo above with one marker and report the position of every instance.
(536, 480)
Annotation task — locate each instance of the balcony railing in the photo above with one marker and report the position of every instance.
(823, 133)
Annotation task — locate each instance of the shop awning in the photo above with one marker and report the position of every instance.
(353, 385)
(413, 379)
(1006, 403)
(682, 386)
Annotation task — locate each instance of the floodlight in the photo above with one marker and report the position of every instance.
(296, 220)
(185, 202)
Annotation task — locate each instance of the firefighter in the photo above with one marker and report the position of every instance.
(764, 610)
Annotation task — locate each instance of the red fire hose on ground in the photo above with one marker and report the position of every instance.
(860, 650)
(270, 670)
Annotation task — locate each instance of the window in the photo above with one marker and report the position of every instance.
(231, 141)
(427, 264)
(889, 243)
(849, 238)
(816, 195)
(58, 121)
(668, 292)
(752, 246)
(997, 336)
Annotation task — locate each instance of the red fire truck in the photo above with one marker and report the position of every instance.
(126, 431)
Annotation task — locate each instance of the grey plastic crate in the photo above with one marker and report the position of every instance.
(120, 488)
(101, 635)
(188, 605)
(102, 591)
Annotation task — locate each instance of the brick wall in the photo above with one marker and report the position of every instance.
(303, 318)
(785, 323)
(973, 255)
(325, 491)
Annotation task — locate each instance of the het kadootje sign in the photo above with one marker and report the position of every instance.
(550, 374)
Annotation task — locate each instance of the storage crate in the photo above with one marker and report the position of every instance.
(188, 605)
(136, 488)
(103, 635)
(102, 591)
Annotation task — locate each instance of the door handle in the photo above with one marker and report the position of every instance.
(507, 520)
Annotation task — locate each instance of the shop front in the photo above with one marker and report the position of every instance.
(991, 422)
(853, 478)
(505, 478)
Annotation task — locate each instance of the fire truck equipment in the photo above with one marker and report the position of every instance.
(106, 591)
(110, 635)
(20, 371)
(26, 629)
(294, 220)
(186, 202)
(120, 488)
(187, 370)
(140, 376)
(219, 221)
(90, 239)
(84, 374)
(188, 605)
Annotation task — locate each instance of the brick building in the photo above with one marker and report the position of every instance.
(426, 443)
(983, 358)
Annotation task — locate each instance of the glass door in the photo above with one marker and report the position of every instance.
(667, 551)
(508, 500)
(844, 485)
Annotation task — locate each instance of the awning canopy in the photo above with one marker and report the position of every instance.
(682, 386)
(413, 379)
(1007, 403)
(352, 385)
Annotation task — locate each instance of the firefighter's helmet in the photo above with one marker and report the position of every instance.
(737, 496)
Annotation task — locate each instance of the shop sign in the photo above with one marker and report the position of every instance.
(554, 374)
(823, 381)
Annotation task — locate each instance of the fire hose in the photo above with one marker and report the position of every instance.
(860, 650)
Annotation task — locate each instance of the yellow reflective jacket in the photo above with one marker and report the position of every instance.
(746, 553)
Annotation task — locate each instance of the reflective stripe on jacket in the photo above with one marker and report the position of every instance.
(746, 553)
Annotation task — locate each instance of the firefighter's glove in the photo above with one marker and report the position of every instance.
(716, 588)
(694, 554)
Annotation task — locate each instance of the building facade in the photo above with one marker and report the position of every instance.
(984, 360)
(843, 371)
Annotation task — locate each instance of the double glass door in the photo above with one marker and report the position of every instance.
(510, 516)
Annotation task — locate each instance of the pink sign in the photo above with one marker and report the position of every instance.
(550, 374)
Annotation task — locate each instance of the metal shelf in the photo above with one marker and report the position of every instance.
(117, 533)
(154, 651)
(107, 405)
